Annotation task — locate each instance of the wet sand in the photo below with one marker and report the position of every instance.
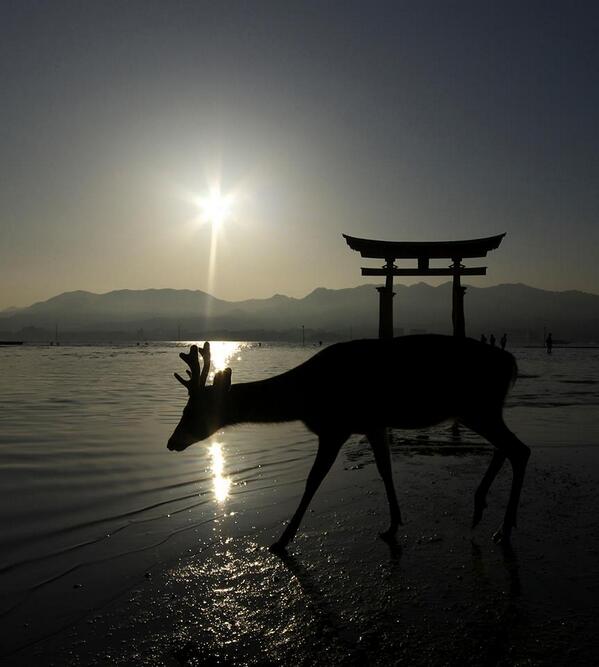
(444, 595)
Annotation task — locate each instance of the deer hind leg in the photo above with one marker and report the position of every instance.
(328, 448)
(480, 495)
(380, 446)
(508, 445)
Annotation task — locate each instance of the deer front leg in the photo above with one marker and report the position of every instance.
(328, 448)
(380, 446)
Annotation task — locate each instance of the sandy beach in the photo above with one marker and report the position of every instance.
(444, 595)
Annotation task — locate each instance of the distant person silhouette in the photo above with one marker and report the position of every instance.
(483, 338)
(503, 341)
(549, 343)
(492, 340)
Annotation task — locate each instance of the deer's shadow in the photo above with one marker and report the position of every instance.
(333, 624)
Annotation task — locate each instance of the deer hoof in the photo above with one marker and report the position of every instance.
(389, 536)
(278, 549)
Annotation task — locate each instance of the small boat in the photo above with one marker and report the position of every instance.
(11, 342)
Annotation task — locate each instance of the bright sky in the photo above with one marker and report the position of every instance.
(399, 120)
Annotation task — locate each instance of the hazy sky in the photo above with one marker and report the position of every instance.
(400, 120)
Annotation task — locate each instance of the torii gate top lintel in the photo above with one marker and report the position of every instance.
(431, 249)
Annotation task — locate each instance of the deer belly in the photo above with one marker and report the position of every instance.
(410, 412)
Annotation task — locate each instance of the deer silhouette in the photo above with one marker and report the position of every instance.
(366, 387)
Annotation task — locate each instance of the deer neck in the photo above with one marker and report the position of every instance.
(263, 401)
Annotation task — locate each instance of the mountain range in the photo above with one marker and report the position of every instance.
(523, 312)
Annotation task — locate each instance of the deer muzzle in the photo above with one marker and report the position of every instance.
(180, 440)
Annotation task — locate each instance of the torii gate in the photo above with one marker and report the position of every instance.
(423, 251)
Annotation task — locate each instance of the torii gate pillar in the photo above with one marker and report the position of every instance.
(386, 295)
(457, 312)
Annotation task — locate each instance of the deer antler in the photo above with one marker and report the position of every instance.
(197, 377)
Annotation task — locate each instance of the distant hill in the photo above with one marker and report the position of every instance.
(521, 311)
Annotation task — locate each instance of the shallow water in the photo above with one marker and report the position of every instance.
(89, 493)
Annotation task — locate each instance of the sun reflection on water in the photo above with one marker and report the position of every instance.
(220, 354)
(220, 483)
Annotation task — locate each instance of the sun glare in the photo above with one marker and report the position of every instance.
(216, 207)
(213, 211)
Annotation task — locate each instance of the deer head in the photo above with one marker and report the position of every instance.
(203, 414)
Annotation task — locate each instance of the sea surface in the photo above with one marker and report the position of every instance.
(89, 494)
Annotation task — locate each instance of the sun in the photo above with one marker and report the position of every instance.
(216, 207)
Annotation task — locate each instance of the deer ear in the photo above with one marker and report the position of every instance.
(227, 379)
(222, 381)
